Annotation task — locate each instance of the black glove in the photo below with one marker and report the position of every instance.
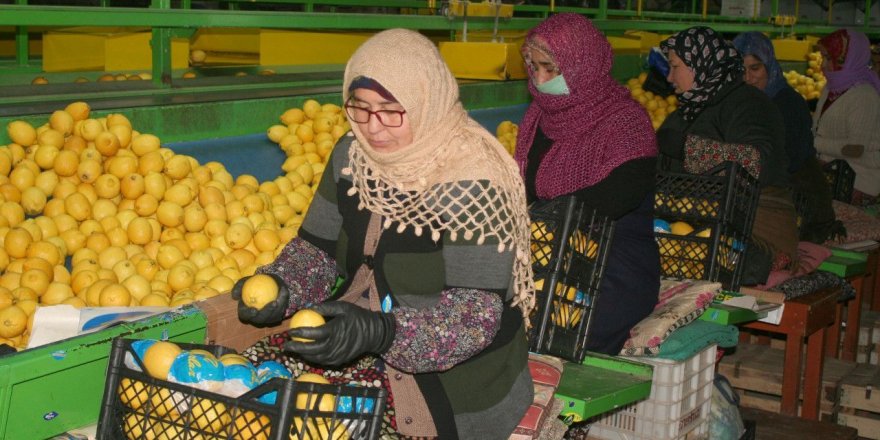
(350, 332)
(272, 313)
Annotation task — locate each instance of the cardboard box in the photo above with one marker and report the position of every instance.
(105, 49)
(227, 40)
(224, 328)
(50, 389)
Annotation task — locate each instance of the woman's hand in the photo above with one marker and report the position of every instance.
(271, 313)
(350, 332)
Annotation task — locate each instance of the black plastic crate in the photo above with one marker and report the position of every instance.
(841, 177)
(569, 246)
(720, 207)
(137, 406)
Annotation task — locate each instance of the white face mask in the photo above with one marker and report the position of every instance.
(555, 86)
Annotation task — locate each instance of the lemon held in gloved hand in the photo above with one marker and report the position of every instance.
(306, 318)
(350, 332)
(262, 299)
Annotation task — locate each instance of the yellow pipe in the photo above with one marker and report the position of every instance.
(552, 5)
(639, 8)
(755, 10)
(830, 9)
(705, 8)
(797, 7)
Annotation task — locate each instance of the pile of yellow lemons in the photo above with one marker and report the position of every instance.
(95, 213)
(810, 85)
(658, 107)
(506, 132)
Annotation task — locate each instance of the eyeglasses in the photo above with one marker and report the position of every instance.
(388, 118)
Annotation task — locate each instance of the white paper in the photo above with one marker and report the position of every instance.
(54, 323)
(774, 316)
(743, 302)
(773, 311)
(863, 245)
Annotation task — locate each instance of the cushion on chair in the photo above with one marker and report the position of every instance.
(687, 341)
(859, 224)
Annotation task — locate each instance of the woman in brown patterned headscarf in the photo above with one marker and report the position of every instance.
(723, 119)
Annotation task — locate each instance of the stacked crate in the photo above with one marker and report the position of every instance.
(859, 401)
(868, 349)
(720, 206)
(677, 408)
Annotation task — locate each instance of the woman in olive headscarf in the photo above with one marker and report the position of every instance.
(422, 212)
(722, 118)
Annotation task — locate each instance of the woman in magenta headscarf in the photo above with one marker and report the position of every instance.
(848, 113)
(583, 134)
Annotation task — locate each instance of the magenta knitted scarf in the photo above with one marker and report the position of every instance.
(594, 128)
(856, 67)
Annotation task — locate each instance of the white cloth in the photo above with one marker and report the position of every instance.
(853, 119)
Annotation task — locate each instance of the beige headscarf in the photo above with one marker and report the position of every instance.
(434, 183)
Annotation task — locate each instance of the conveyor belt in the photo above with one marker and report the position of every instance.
(256, 155)
(44, 99)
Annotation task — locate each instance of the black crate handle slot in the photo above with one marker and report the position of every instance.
(569, 249)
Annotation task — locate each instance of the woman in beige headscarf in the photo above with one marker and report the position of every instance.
(423, 214)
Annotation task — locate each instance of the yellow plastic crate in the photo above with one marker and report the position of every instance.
(791, 50)
(134, 52)
(647, 39)
(86, 48)
(621, 45)
(227, 40)
(298, 47)
(480, 9)
(7, 47)
(483, 60)
(505, 35)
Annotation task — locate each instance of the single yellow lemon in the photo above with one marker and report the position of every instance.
(306, 318)
(259, 290)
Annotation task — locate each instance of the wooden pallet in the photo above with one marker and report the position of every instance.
(758, 369)
(774, 426)
(859, 401)
(869, 338)
(771, 403)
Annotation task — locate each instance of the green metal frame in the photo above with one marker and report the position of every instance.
(167, 23)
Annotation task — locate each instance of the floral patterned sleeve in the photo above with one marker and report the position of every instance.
(462, 324)
(308, 272)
